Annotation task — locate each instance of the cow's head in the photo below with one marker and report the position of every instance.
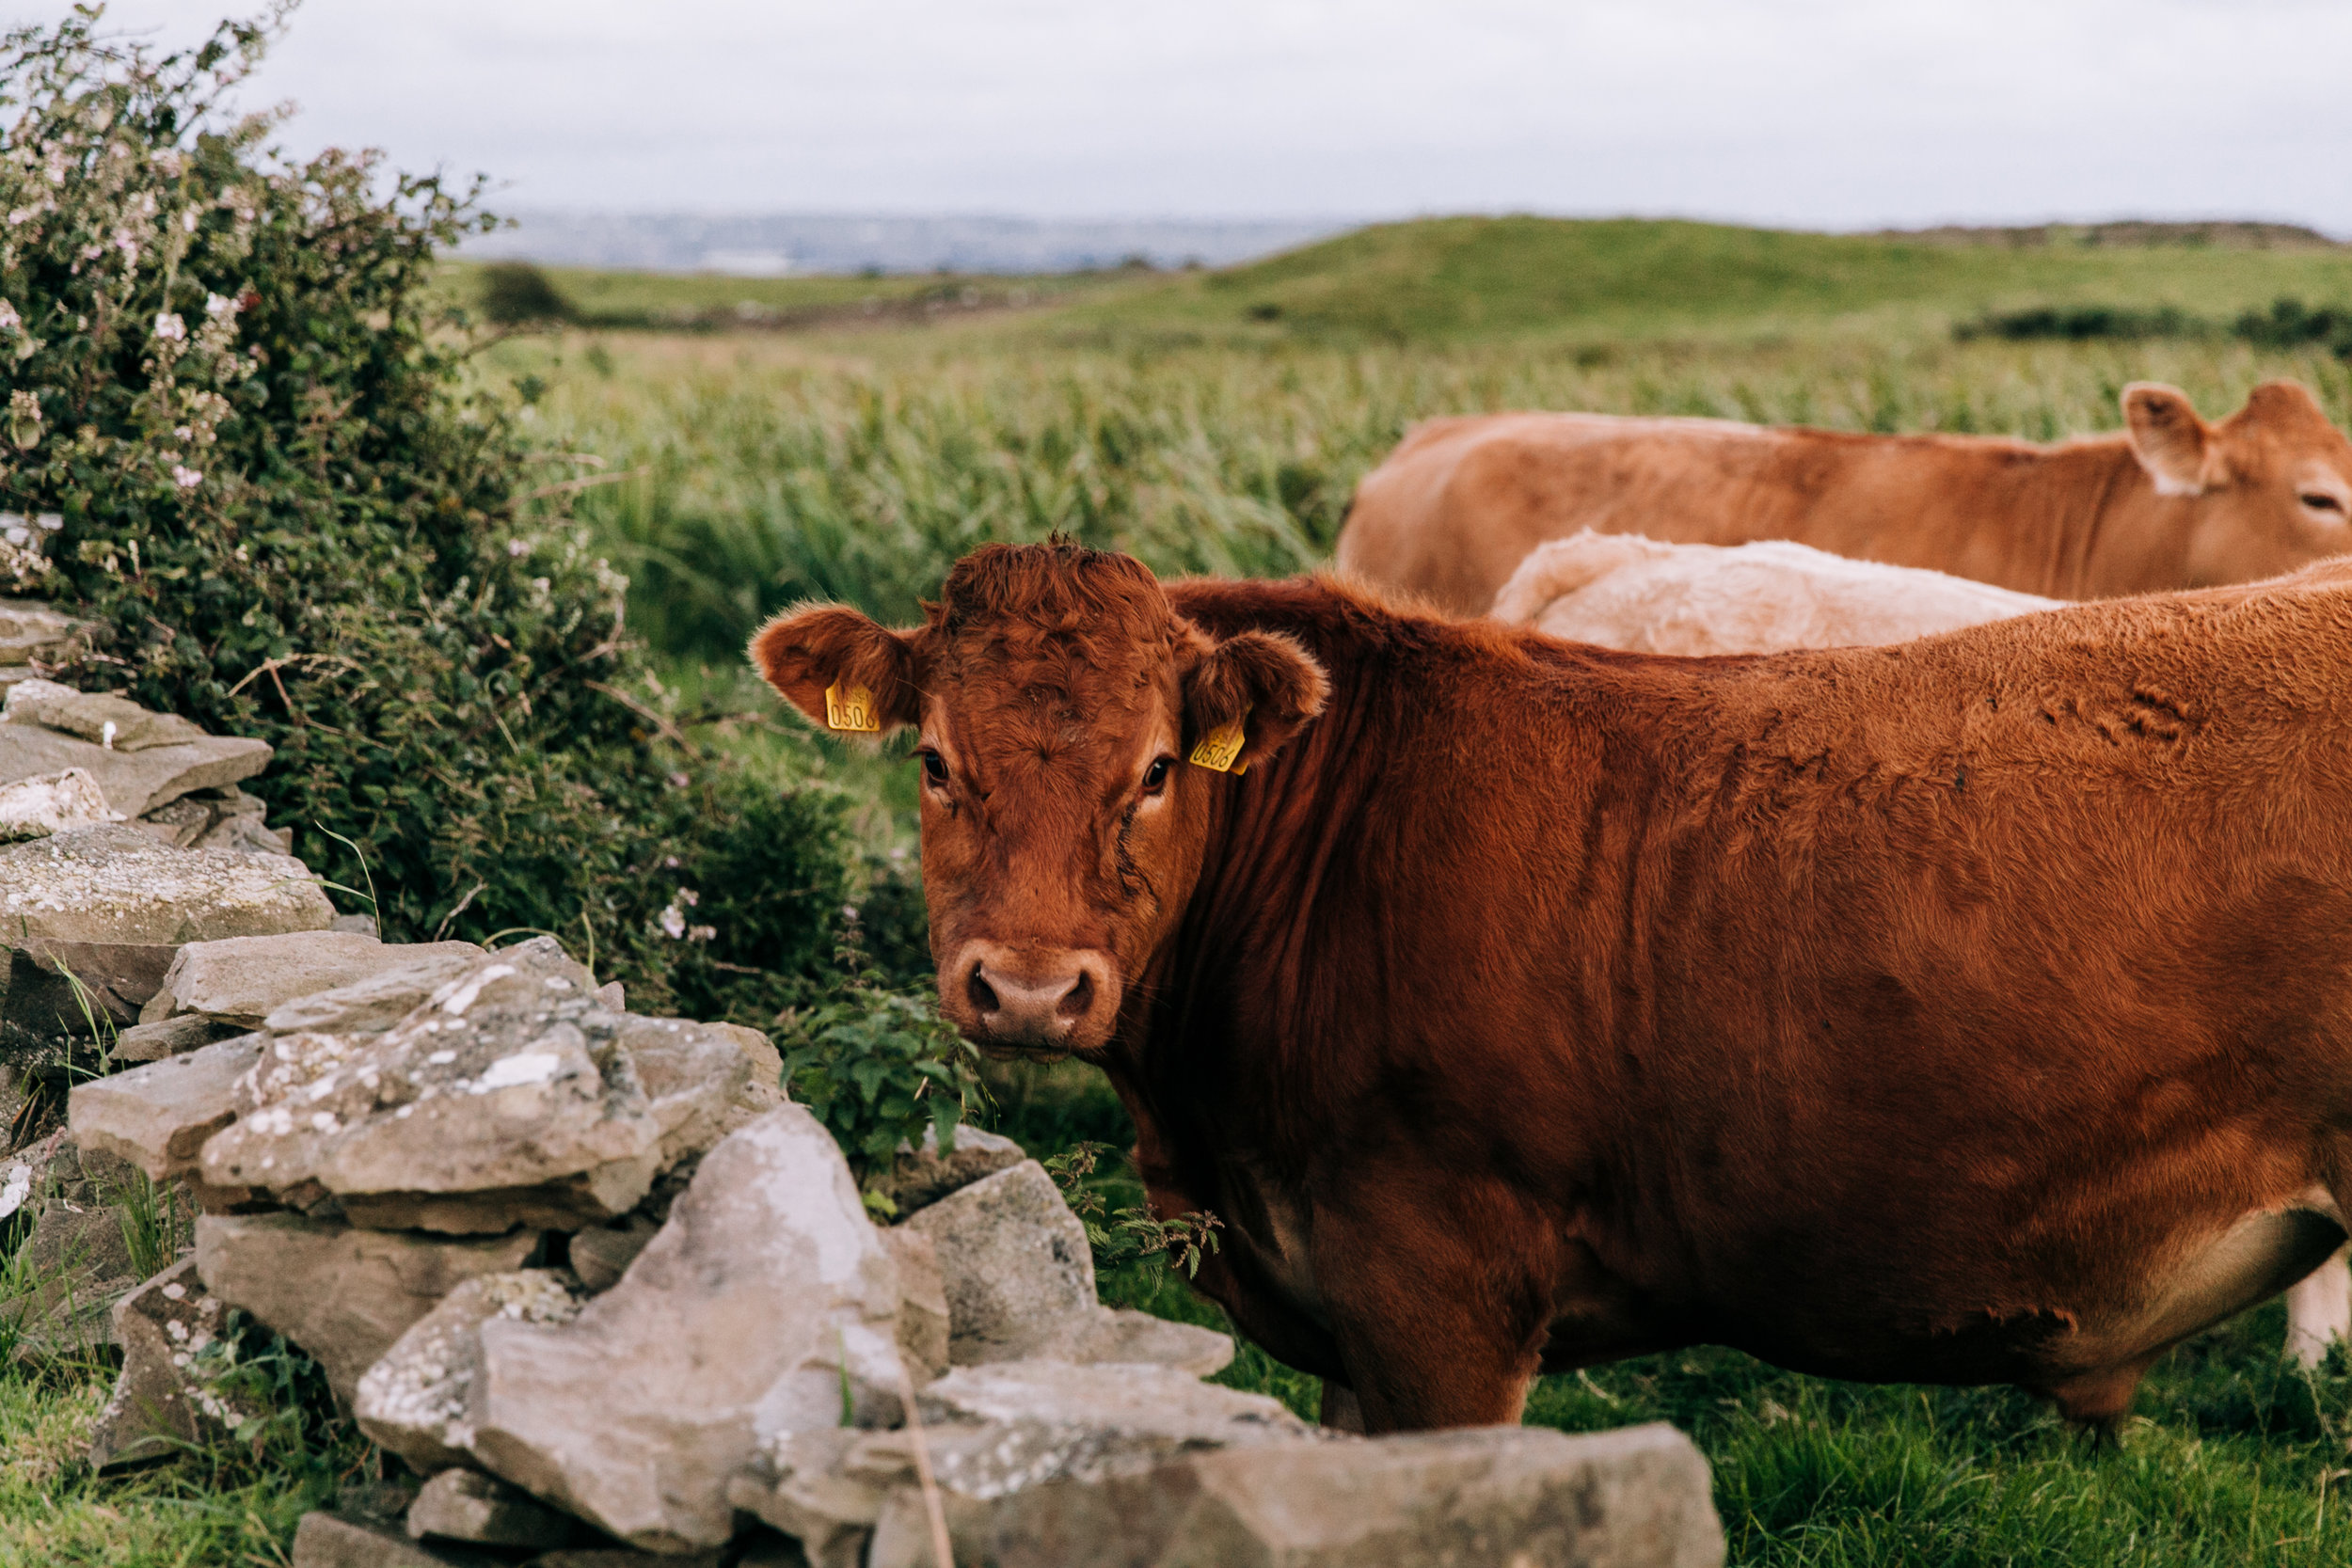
(1059, 696)
(2266, 490)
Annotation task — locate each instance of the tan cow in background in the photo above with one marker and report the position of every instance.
(2173, 502)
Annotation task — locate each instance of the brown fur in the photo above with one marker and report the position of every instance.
(2174, 502)
(1924, 1013)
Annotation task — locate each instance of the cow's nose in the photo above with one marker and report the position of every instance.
(1033, 1002)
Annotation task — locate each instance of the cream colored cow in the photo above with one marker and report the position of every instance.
(1624, 590)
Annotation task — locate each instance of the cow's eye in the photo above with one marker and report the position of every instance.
(1156, 776)
(2319, 501)
(935, 767)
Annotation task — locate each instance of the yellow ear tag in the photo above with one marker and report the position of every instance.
(851, 710)
(1217, 749)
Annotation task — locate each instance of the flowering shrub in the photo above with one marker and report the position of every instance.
(237, 433)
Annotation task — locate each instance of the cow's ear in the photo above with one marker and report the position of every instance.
(847, 675)
(1261, 678)
(2167, 437)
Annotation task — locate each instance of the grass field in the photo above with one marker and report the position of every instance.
(1218, 423)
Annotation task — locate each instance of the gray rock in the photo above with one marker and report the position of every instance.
(179, 823)
(1020, 1283)
(1124, 1337)
(510, 1097)
(33, 632)
(117, 724)
(133, 782)
(920, 1176)
(466, 1505)
(117, 885)
(1019, 1275)
(345, 1295)
(358, 924)
(1426, 1500)
(765, 1305)
(332, 1541)
(602, 1256)
(50, 989)
(172, 1036)
(51, 804)
(375, 1003)
(242, 980)
(414, 1400)
(1130, 1410)
(923, 1321)
(79, 1266)
(997, 1430)
(158, 1117)
(824, 1488)
(623, 1556)
(163, 1402)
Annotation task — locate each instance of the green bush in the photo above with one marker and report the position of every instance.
(514, 294)
(230, 380)
(877, 1066)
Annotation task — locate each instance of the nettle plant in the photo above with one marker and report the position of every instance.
(240, 432)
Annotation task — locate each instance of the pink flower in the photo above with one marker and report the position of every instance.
(169, 328)
(185, 477)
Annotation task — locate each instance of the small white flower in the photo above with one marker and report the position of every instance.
(185, 477)
(10, 320)
(674, 923)
(183, 432)
(514, 546)
(217, 306)
(52, 521)
(187, 221)
(169, 328)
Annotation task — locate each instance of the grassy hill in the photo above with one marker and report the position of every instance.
(1630, 280)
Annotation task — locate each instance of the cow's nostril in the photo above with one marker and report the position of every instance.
(983, 998)
(1077, 999)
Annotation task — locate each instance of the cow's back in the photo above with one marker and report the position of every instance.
(1461, 501)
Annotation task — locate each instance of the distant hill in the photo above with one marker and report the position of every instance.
(1635, 278)
(782, 245)
(2131, 233)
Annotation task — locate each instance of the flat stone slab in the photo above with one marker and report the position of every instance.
(242, 980)
(1633, 1498)
(163, 1402)
(133, 782)
(51, 804)
(510, 1097)
(31, 630)
(414, 1400)
(345, 1295)
(53, 988)
(117, 724)
(481, 1509)
(158, 1117)
(325, 1539)
(118, 884)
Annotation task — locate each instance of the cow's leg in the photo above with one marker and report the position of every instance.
(1341, 1410)
(2319, 1311)
(1439, 1326)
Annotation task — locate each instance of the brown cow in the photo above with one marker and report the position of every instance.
(1975, 1009)
(2174, 502)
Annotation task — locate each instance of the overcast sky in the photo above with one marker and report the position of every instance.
(1836, 114)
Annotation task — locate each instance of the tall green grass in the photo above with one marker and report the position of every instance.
(760, 471)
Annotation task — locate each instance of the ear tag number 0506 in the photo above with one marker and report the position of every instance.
(1217, 749)
(851, 707)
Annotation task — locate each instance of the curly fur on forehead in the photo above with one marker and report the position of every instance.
(1046, 613)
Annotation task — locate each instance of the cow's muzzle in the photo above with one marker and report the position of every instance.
(1046, 1000)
